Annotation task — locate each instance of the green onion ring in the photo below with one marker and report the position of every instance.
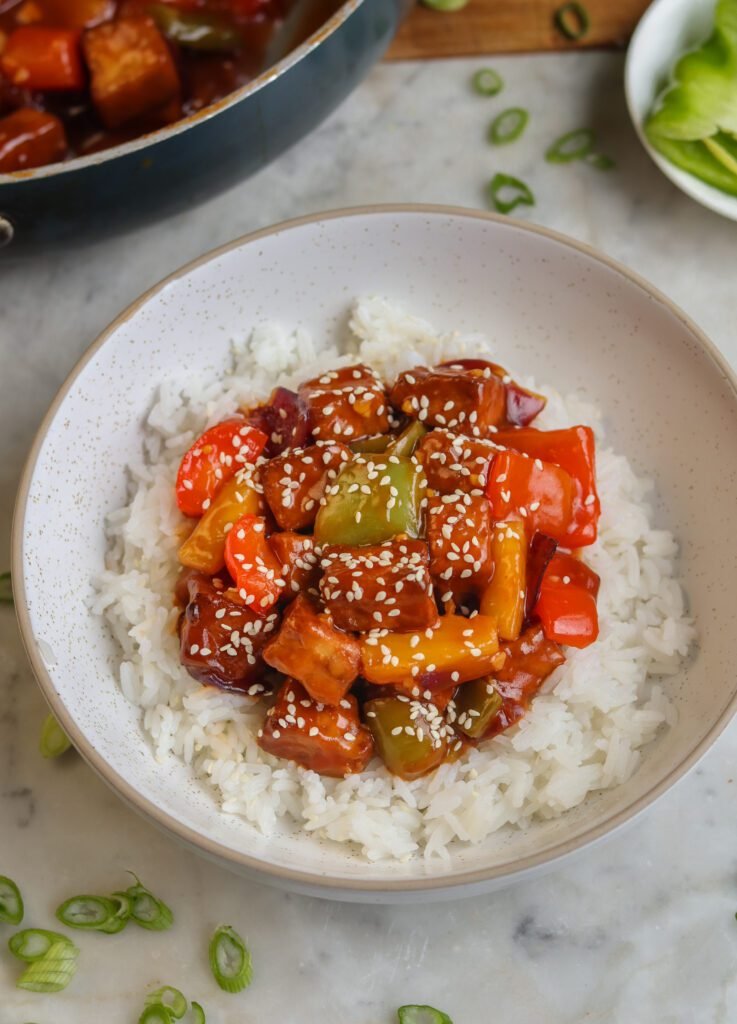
(6, 588)
(575, 145)
(422, 1015)
(508, 126)
(86, 912)
(53, 971)
(156, 1014)
(230, 960)
(572, 19)
(198, 1013)
(54, 741)
(170, 998)
(147, 911)
(445, 6)
(122, 903)
(600, 161)
(33, 944)
(522, 193)
(487, 82)
(11, 901)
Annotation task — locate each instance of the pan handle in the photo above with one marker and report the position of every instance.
(6, 231)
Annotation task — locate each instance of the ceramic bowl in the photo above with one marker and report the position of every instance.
(579, 319)
(666, 30)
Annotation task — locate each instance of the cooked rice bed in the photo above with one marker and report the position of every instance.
(585, 730)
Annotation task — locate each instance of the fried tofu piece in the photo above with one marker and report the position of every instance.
(309, 648)
(294, 483)
(471, 401)
(328, 740)
(132, 71)
(379, 586)
(459, 533)
(346, 404)
(455, 462)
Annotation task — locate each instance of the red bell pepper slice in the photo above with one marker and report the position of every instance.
(541, 493)
(542, 549)
(573, 449)
(36, 57)
(567, 603)
(214, 459)
(251, 562)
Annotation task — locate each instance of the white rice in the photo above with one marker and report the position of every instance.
(586, 730)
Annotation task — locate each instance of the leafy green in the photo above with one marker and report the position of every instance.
(701, 99)
(695, 158)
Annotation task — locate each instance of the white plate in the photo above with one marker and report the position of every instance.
(666, 30)
(556, 308)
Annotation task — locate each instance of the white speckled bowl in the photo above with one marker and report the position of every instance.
(666, 30)
(577, 318)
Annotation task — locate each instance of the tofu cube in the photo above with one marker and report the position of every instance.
(132, 71)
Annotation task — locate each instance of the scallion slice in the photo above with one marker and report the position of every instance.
(11, 901)
(572, 19)
(600, 161)
(86, 912)
(53, 971)
(147, 910)
(446, 6)
(507, 192)
(6, 588)
(487, 82)
(170, 998)
(198, 1013)
(230, 960)
(122, 903)
(54, 741)
(422, 1015)
(508, 126)
(573, 145)
(157, 1014)
(33, 944)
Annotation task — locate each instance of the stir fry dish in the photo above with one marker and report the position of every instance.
(391, 571)
(78, 76)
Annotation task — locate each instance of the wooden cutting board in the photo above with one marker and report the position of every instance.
(509, 26)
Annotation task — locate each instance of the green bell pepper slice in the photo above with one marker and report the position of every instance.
(373, 445)
(195, 31)
(373, 499)
(411, 737)
(476, 705)
(404, 444)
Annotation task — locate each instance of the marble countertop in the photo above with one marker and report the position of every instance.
(640, 929)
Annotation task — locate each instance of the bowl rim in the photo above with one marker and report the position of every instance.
(706, 195)
(318, 882)
(151, 139)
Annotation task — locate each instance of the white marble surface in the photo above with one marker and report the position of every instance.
(640, 929)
